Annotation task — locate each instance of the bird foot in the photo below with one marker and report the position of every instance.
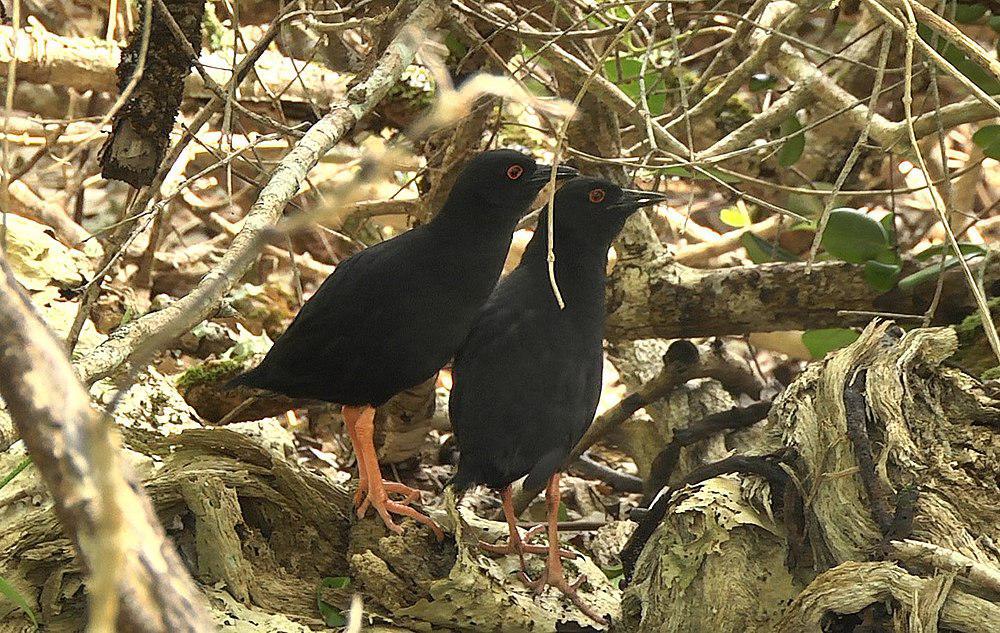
(361, 500)
(557, 580)
(376, 495)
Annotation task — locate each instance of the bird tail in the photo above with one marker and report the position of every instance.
(249, 378)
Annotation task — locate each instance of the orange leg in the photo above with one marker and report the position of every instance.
(517, 545)
(351, 415)
(376, 490)
(553, 575)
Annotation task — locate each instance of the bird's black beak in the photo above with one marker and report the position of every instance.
(632, 199)
(543, 174)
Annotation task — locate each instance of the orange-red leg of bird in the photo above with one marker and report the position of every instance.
(553, 575)
(517, 545)
(351, 415)
(377, 490)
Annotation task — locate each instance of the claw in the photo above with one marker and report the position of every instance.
(553, 575)
(372, 490)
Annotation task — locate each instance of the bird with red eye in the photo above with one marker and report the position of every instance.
(389, 317)
(527, 380)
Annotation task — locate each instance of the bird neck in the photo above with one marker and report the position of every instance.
(473, 223)
(580, 266)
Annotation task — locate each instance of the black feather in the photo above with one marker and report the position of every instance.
(392, 315)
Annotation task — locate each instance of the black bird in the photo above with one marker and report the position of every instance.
(389, 317)
(527, 380)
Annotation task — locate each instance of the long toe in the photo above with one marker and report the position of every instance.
(409, 494)
(534, 533)
(397, 508)
(571, 592)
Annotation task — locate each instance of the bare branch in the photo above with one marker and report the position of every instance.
(134, 568)
(266, 211)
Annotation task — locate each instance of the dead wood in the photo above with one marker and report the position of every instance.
(135, 574)
(90, 64)
(669, 300)
(151, 77)
(852, 586)
(931, 435)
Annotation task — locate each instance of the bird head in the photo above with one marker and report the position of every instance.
(595, 209)
(505, 180)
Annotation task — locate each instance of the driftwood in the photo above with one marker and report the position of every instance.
(251, 522)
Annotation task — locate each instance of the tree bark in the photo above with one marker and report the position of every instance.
(134, 570)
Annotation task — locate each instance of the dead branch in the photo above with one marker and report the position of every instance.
(29, 204)
(669, 300)
(852, 586)
(135, 571)
(683, 361)
(727, 242)
(151, 83)
(930, 557)
(90, 64)
(283, 184)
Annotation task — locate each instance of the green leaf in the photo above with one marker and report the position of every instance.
(717, 174)
(762, 81)
(792, 149)
(806, 205)
(563, 514)
(966, 248)
(881, 276)
(969, 13)
(852, 236)
(331, 614)
(988, 138)
(14, 597)
(821, 342)
(624, 72)
(760, 251)
(680, 172)
(930, 273)
(977, 75)
(889, 224)
(736, 215)
(994, 23)
(614, 571)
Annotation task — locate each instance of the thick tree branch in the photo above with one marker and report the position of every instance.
(134, 570)
(669, 300)
(90, 64)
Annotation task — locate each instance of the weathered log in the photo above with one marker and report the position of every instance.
(136, 577)
(924, 427)
(661, 298)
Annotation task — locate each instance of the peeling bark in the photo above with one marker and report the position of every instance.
(140, 131)
(133, 570)
(934, 453)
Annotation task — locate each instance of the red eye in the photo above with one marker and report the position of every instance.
(514, 172)
(596, 195)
